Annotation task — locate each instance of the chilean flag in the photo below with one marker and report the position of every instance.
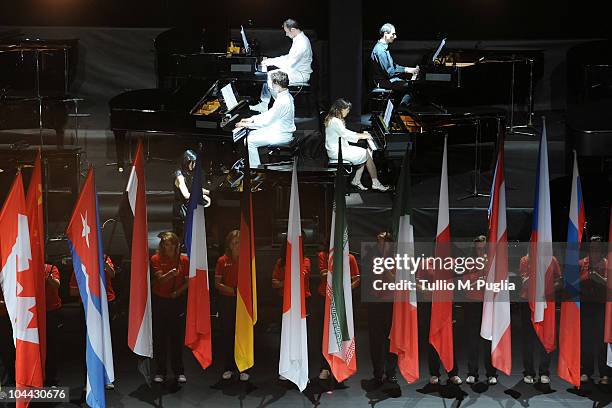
(541, 256)
(441, 323)
(85, 244)
(140, 339)
(19, 287)
(496, 306)
(197, 330)
(568, 366)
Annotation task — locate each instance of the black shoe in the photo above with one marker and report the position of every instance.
(372, 384)
(391, 379)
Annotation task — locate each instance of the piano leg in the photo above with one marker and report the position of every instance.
(120, 143)
(473, 192)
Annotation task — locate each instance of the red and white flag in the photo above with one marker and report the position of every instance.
(293, 364)
(496, 305)
(19, 286)
(541, 264)
(140, 339)
(441, 322)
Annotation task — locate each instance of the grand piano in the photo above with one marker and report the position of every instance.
(35, 79)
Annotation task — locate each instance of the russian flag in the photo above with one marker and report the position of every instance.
(85, 245)
(568, 366)
(197, 330)
(541, 255)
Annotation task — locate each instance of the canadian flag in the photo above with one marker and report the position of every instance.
(18, 282)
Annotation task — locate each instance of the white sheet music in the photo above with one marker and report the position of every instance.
(245, 43)
(433, 59)
(388, 112)
(228, 96)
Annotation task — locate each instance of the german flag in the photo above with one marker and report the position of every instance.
(246, 299)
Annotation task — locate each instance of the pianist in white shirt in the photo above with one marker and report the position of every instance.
(274, 127)
(335, 130)
(296, 64)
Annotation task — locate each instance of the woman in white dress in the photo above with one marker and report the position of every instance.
(335, 129)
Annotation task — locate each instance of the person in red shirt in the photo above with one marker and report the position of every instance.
(593, 279)
(323, 259)
(169, 286)
(7, 347)
(54, 322)
(531, 344)
(226, 281)
(472, 317)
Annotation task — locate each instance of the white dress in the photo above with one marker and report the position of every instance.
(336, 129)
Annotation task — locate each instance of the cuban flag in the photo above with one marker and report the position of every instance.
(85, 245)
(568, 366)
(197, 330)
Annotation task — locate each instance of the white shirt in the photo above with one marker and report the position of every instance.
(280, 118)
(299, 58)
(336, 129)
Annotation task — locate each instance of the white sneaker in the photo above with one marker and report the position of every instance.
(492, 380)
(261, 107)
(605, 380)
(324, 374)
(158, 378)
(226, 375)
(455, 380)
(434, 379)
(376, 185)
(528, 379)
(544, 379)
(181, 379)
(470, 379)
(584, 378)
(110, 386)
(244, 377)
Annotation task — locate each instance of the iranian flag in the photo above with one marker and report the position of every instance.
(404, 335)
(338, 330)
(293, 364)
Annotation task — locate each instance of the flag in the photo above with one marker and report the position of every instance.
(246, 294)
(404, 335)
(608, 327)
(568, 365)
(85, 244)
(441, 322)
(293, 364)
(34, 205)
(197, 329)
(19, 288)
(338, 330)
(495, 324)
(140, 339)
(541, 255)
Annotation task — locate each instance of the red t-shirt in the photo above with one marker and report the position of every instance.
(110, 292)
(227, 270)
(279, 274)
(162, 265)
(553, 275)
(52, 298)
(323, 259)
(600, 268)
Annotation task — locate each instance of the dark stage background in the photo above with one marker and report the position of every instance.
(496, 19)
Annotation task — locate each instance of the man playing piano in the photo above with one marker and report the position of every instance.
(386, 73)
(274, 126)
(296, 64)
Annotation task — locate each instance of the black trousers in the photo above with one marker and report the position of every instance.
(532, 346)
(168, 332)
(593, 348)
(54, 323)
(433, 360)
(474, 343)
(227, 313)
(7, 352)
(399, 87)
(380, 315)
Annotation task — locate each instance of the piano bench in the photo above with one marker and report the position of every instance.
(377, 99)
(348, 166)
(279, 153)
(305, 100)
